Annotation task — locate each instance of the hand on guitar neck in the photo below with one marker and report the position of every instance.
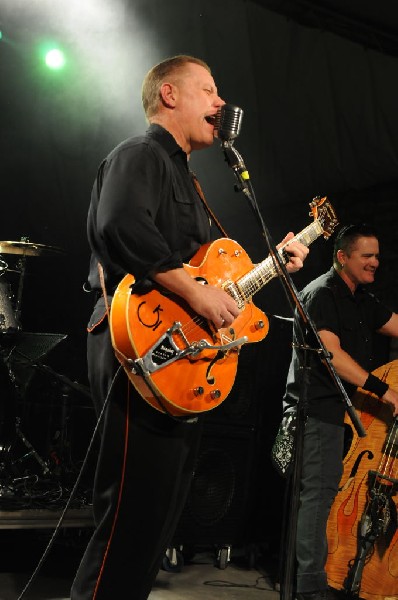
(296, 250)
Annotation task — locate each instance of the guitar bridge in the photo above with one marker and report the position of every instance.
(165, 351)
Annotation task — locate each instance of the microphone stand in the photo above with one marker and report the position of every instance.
(308, 332)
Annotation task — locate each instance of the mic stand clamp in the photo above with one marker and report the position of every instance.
(306, 348)
(235, 161)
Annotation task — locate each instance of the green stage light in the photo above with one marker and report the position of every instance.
(55, 59)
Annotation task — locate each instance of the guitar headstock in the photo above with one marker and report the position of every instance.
(323, 211)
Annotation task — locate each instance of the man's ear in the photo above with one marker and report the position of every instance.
(340, 255)
(168, 94)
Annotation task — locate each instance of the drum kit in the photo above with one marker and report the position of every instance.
(9, 314)
(20, 354)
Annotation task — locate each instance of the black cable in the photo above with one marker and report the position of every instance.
(72, 494)
(231, 584)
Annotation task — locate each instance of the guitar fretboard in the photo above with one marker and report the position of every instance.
(263, 272)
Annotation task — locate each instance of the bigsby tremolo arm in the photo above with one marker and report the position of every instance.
(165, 351)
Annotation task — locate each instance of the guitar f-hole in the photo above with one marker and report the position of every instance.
(210, 378)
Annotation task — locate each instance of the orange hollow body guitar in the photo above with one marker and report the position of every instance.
(177, 360)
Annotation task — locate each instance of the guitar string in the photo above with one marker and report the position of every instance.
(394, 453)
(385, 456)
(265, 271)
(378, 482)
(390, 467)
(387, 467)
(260, 275)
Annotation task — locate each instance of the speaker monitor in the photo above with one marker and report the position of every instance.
(217, 508)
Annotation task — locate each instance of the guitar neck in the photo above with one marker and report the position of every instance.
(263, 272)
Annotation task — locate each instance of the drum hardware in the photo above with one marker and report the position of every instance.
(31, 451)
(27, 248)
(30, 468)
(8, 322)
(10, 318)
(17, 311)
(3, 266)
(27, 468)
(8, 465)
(19, 360)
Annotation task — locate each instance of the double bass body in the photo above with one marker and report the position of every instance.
(362, 527)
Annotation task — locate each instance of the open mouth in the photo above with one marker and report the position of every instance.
(211, 119)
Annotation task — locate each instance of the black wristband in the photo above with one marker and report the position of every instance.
(375, 385)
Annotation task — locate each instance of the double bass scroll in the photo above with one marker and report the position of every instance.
(362, 527)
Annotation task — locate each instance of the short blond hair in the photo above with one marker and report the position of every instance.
(158, 74)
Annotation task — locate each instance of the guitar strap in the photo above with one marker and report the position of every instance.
(207, 207)
(102, 281)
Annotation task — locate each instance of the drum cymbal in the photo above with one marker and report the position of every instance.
(28, 249)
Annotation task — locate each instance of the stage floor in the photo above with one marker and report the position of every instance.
(200, 579)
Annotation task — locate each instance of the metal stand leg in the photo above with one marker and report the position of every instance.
(31, 452)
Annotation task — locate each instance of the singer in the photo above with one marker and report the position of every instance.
(147, 218)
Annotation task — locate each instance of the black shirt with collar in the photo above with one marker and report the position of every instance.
(353, 318)
(145, 214)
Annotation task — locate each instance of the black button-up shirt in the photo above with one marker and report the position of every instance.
(353, 318)
(145, 214)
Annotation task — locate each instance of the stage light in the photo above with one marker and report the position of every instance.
(55, 59)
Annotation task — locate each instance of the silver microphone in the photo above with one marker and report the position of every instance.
(228, 122)
(227, 127)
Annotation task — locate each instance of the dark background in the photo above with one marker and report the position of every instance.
(317, 82)
(319, 88)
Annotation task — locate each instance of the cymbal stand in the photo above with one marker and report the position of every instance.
(3, 266)
(31, 451)
(13, 387)
(21, 265)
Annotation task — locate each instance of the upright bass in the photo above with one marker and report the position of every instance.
(362, 527)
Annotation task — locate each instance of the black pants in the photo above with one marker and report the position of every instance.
(145, 466)
(321, 473)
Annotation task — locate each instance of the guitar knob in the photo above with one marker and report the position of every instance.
(198, 391)
(215, 394)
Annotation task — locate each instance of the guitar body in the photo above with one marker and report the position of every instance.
(141, 326)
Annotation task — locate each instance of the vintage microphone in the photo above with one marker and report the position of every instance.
(228, 122)
(227, 128)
